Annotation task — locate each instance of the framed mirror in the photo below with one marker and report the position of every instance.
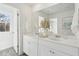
(66, 25)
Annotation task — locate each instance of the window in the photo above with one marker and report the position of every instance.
(40, 19)
(53, 25)
(4, 23)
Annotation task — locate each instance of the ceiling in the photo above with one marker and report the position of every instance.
(31, 4)
(57, 8)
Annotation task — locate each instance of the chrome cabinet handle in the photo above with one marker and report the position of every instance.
(52, 52)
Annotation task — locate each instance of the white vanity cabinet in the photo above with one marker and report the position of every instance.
(33, 46)
(47, 48)
(47, 51)
(30, 45)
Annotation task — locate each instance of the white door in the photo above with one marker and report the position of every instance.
(9, 38)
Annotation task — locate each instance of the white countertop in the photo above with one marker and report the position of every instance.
(69, 42)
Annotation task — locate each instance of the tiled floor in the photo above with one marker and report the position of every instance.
(8, 52)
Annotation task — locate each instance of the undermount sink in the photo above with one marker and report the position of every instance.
(62, 38)
(54, 38)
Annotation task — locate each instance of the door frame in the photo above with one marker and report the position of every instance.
(18, 32)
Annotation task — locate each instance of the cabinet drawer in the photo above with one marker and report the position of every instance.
(59, 47)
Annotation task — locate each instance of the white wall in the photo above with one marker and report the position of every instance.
(25, 20)
(60, 17)
(35, 22)
(5, 43)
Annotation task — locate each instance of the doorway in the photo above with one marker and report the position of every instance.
(9, 36)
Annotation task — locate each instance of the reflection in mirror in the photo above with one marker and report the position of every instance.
(44, 26)
(53, 25)
(66, 26)
(60, 18)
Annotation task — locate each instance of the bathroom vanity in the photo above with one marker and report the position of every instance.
(36, 46)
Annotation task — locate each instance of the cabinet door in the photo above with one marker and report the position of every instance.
(73, 51)
(44, 50)
(30, 46)
(33, 48)
(57, 53)
(26, 46)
